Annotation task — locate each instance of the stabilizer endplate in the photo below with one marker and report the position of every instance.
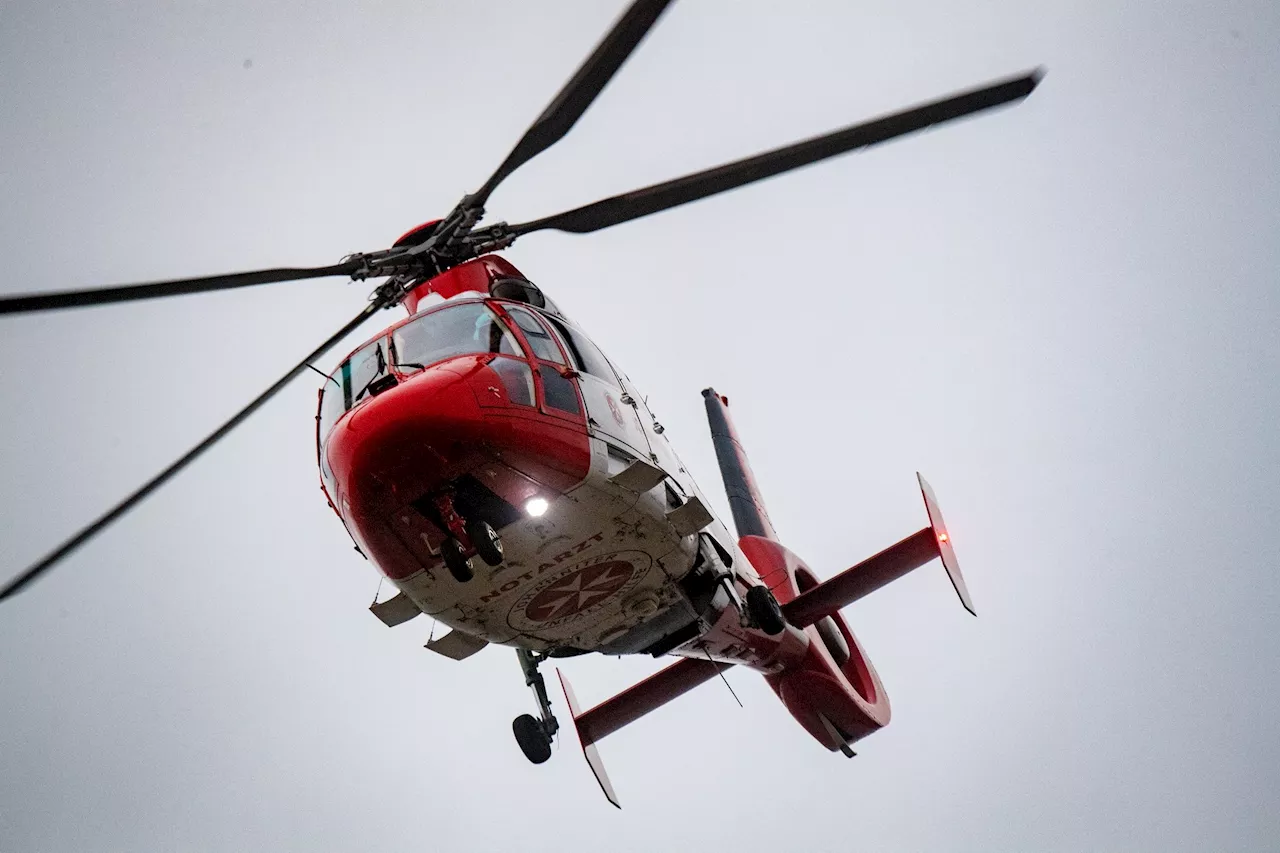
(945, 551)
(883, 568)
(588, 746)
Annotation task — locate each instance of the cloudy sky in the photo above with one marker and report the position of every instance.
(1063, 313)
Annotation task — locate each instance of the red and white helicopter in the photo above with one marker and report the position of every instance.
(511, 482)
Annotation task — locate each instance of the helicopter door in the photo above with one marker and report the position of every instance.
(608, 414)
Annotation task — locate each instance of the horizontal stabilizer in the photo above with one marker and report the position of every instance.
(632, 704)
(890, 564)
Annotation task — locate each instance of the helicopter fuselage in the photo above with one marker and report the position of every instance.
(608, 544)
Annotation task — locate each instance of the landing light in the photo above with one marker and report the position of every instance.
(942, 537)
(536, 506)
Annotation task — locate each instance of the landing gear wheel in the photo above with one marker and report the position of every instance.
(534, 734)
(456, 560)
(765, 611)
(486, 542)
(533, 740)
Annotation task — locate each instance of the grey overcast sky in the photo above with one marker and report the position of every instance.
(1063, 313)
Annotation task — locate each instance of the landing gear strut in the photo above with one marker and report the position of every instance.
(475, 534)
(534, 734)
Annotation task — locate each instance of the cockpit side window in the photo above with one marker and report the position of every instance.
(331, 405)
(342, 389)
(366, 367)
(586, 355)
(540, 340)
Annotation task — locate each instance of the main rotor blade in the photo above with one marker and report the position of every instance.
(642, 202)
(573, 100)
(21, 581)
(177, 287)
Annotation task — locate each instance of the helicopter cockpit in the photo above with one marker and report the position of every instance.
(463, 328)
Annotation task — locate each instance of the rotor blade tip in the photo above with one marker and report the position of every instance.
(1037, 74)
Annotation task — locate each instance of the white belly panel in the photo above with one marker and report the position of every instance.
(600, 561)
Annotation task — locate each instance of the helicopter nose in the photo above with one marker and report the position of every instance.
(406, 441)
(442, 432)
(446, 422)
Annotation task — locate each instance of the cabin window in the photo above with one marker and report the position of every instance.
(558, 391)
(586, 355)
(540, 340)
(452, 331)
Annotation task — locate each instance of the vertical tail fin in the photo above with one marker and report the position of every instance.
(749, 515)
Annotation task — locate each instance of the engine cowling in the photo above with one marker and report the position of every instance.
(833, 690)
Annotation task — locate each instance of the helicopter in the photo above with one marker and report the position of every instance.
(511, 482)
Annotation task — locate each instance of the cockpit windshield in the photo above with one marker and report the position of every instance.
(456, 330)
(461, 329)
